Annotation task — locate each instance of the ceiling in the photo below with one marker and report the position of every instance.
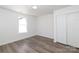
(27, 9)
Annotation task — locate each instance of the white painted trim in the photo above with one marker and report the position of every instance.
(15, 40)
(46, 36)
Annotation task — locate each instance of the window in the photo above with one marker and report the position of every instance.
(22, 25)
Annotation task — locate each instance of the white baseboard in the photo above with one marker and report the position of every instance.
(55, 41)
(46, 36)
(4, 43)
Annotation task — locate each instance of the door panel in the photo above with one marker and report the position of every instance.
(61, 29)
(73, 29)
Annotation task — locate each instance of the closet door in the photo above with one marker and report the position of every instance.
(73, 29)
(61, 28)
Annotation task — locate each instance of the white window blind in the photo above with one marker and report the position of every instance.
(22, 25)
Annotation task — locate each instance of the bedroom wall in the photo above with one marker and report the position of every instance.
(9, 26)
(42, 25)
(45, 25)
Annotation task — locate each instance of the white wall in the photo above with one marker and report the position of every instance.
(9, 26)
(45, 25)
(42, 25)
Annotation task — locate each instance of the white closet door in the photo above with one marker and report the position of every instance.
(73, 29)
(61, 28)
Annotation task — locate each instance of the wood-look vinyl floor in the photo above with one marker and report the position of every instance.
(36, 44)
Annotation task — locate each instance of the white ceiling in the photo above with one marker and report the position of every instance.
(27, 9)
